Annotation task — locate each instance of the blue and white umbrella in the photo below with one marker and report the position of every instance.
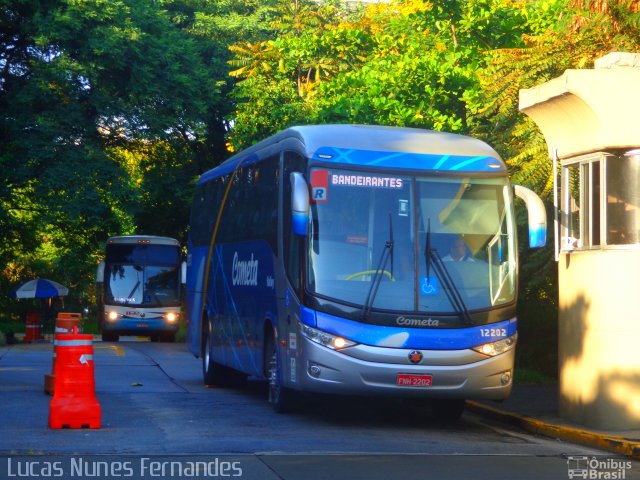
(40, 288)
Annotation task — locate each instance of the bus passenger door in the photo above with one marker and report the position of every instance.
(294, 220)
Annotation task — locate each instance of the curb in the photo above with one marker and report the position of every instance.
(610, 443)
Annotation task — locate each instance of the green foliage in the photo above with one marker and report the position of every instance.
(109, 112)
(409, 63)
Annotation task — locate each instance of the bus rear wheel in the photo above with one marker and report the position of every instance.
(281, 398)
(213, 374)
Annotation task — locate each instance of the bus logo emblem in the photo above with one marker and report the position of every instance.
(415, 357)
(319, 194)
(319, 186)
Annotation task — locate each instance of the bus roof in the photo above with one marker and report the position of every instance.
(143, 239)
(417, 144)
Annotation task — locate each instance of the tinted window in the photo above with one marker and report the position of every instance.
(251, 210)
(142, 254)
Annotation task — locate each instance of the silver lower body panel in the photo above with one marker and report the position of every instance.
(365, 370)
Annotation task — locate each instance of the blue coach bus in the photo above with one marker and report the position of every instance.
(139, 285)
(359, 260)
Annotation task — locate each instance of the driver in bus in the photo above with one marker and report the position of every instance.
(458, 252)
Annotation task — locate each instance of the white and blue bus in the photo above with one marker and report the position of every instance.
(139, 287)
(359, 260)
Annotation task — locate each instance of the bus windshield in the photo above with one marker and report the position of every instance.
(464, 225)
(142, 275)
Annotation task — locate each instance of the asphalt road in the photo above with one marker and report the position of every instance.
(159, 421)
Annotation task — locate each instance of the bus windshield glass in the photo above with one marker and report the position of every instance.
(142, 275)
(462, 225)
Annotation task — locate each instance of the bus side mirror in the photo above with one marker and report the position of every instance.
(183, 272)
(299, 204)
(537, 216)
(100, 273)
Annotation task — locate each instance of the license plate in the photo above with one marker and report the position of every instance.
(407, 380)
(142, 325)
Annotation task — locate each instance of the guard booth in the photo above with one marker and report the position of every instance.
(591, 122)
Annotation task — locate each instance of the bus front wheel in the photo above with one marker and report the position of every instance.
(281, 398)
(212, 372)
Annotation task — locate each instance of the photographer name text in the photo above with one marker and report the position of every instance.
(144, 467)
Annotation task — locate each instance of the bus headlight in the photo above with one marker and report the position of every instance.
(171, 317)
(113, 315)
(328, 340)
(496, 348)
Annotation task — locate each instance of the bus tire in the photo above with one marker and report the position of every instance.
(448, 409)
(213, 374)
(281, 398)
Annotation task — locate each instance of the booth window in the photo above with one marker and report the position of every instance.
(623, 199)
(581, 192)
(571, 232)
(591, 201)
(600, 201)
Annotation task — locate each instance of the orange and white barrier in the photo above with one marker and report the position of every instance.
(33, 327)
(65, 321)
(74, 403)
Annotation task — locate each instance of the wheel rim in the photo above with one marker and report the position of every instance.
(207, 354)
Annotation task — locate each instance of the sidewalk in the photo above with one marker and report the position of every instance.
(535, 408)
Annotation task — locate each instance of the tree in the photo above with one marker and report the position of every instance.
(109, 111)
(410, 63)
(278, 76)
(422, 64)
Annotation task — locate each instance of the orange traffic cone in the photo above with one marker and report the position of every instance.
(74, 403)
(65, 322)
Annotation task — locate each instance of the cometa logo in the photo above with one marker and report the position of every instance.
(417, 322)
(244, 272)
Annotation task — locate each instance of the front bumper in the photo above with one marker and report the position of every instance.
(367, 370)
(137, 326)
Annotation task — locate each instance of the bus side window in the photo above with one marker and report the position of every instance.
(293, 162)
(265, 201)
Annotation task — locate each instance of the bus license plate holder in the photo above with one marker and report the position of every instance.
(414, 380)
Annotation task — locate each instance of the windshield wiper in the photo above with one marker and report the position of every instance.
(442, 272)
(135, 287)
(387, 253)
